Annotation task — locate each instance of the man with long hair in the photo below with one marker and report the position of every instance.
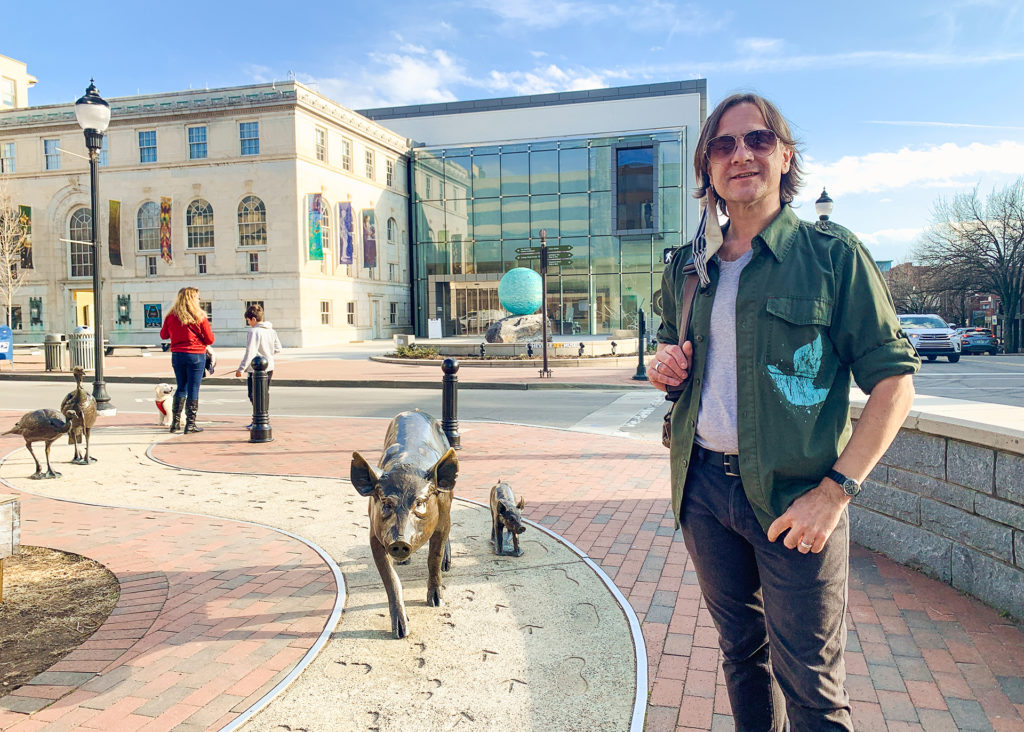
(189, 331)
(783, 314)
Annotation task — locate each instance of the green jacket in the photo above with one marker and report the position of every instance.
(812, 311)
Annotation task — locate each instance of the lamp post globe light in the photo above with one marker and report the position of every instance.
(93, 115)
(823, 206)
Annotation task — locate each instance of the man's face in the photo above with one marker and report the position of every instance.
(745, 179)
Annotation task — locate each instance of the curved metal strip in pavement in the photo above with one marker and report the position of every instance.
(639, 646)
(325, 634)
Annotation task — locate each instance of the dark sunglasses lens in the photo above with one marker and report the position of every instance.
(760, 142)
(721, 147)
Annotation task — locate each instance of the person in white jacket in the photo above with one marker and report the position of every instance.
(261, 340)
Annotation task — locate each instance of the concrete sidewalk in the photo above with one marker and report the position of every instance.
(920, 655)
(350, 365)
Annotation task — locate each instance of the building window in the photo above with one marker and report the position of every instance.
(252, 222)
(196, 143)
(199, 224)
(150, 266)
(393, 312)
(392, 232)
(350, 309)
(250, 303)
(201, 267)
(7, 158)
(254, 262)
(80, 234)
(389, 171)
(635, 183)
(51, 151)
(15, 317)
(207, 307)
(325, 312)
(104, 155)
(346, 154)
(327, 262)
(148, 227)
(392, 272)
(371, 167)
(7, 95)
(147, 146)
(321, 144)
(249, 135)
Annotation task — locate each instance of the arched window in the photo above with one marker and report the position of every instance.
(199, 224)
(148, 225)
(327, 265)
(80, 230)
(392, 232)
(252, 222)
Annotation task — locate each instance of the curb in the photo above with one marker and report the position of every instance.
(350, 383)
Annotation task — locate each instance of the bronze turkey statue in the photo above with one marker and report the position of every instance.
(42, 425)
(80, 407)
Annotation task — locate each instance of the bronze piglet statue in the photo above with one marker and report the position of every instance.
(506, 514)
(410, 503)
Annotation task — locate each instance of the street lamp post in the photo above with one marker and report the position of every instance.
(93, 115)
(823, 206)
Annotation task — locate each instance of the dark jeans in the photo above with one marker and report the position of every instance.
(780, 614)
(188, 371)
(248, 384)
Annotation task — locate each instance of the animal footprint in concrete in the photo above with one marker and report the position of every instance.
(566, 573)
(489, 653)
(587, 612)
(512, 684)
(530, 628)
(570, 673)
(367, 668)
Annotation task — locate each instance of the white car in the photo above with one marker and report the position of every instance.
(932, 336)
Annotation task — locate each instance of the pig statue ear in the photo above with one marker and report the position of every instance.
(522, 503)
(445, 471)
(363, 475)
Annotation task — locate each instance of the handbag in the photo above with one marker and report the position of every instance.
(685, 314)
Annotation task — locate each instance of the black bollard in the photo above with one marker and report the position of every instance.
(581, 349)
(641, 347)
(529, 350)
(614, 346)
(450, 402)
(260, 431)
(482, 347)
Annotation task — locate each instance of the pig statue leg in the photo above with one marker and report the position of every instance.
(446, 562)
(438, 548)
(393, 586)
(516, 552)
(496, 536)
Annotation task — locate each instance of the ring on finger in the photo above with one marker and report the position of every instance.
(805, 545)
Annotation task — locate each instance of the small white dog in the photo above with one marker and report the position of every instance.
(164, 394)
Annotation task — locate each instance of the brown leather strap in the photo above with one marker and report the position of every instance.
(683, 324)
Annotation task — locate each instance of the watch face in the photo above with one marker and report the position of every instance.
(851, 487)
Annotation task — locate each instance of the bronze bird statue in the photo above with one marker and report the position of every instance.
(42, 425)
(80, 407)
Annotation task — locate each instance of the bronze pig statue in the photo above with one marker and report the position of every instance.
(506, 514)
(410, 503)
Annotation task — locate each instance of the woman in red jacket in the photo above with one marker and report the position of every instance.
(188, 329)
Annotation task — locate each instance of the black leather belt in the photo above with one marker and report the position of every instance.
(727, 461)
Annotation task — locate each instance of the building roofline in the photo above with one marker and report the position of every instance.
(639, 91)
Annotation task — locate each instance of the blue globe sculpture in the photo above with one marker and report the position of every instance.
(520, 291)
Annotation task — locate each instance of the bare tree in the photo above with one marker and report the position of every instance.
(910, 289)
(981, 244)
(12, 241)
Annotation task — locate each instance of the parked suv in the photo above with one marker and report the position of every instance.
(932, 336)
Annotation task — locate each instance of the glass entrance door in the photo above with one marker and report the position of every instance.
(476, 306)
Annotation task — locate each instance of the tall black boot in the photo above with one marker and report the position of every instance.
(179, 404)
(191, 408)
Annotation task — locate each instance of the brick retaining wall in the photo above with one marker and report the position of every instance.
(949, 500)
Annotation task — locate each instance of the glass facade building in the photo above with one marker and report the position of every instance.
(616, 202)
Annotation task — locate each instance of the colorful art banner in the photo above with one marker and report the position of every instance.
(114, 233)
(345, 235)
(165, 229)
(25, 219)
(369, 238)
(153, 314)
(316, 233)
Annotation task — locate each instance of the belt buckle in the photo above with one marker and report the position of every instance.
(731, 463)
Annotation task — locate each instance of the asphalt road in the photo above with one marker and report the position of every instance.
(635, 413)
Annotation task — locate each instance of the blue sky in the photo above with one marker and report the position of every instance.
(896, 103)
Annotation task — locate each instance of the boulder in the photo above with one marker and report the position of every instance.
(517, 329)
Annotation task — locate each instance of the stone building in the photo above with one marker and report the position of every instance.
(265, 193)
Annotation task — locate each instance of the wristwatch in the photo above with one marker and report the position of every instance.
(849, 485)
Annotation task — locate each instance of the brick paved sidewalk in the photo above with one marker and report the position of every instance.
(920, 655)
(212, 615)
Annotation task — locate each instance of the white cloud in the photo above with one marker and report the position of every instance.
(970, 125)
(889, 236)
(656, 14)
(542, 80)
(759, 45)
(947, 165)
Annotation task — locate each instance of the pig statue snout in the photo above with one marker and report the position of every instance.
(400, 550)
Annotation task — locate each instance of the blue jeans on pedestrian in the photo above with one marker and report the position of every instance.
(780, 614)
(188, 371)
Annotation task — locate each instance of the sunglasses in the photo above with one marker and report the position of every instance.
(761, 143)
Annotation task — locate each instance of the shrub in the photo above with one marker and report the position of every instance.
(415, 351)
